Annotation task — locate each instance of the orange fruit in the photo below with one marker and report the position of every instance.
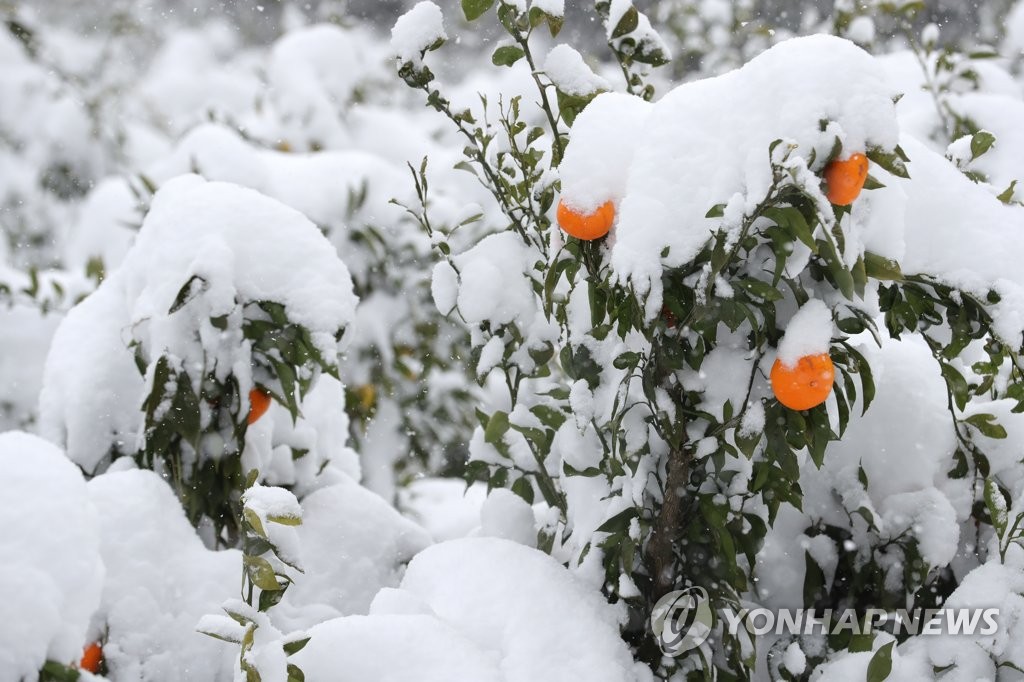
(92, 656)
(669, 317)
(259, 403)
(845, 179)
(804, 385)
(586, 226)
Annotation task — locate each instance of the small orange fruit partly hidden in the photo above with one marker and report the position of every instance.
(845, 179)
(259, 403)
(92, 656)
(804, 385)
(587, 226)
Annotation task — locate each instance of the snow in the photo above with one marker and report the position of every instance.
(506, 515)
(444, 287)
(298, 145)
(808, 332)
(861, 30)
(592, 171)
(353, 543)
(554, 8)
(570, 74)
(793, 659)
(429, 650)
(26, 337)
(940, 201)
(679, 172)
(492, 284)
(245, 246)
(446, 508)
(277, 255)
(160, 581)
(416, 31)
(51, 573)
(271, 503)
(522, 607)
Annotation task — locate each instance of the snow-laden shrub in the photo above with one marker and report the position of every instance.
(225, 297)
(628, 377)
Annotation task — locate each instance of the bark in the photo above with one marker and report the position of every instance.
(667, 525)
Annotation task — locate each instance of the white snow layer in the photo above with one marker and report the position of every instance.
(416, 30)
(494, 610)
(51, 573)
(246, 246)
(707, 141)
(808, 332)
(570, 74)
(160, 581)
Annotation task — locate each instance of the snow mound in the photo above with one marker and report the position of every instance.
(416, 31)
(393, 648)
(956, 230)
(477, 609)
(243, 247)
(706, 142)
(353, 544)
(23, 344)
(160, 581)
(593, 170)
(273, 253)
(51, 573)
(570, 74)
(522, 604)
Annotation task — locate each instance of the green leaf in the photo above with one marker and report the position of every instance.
(627, 23)
(570, 106)
(957, 385)
(474, 9)
(539, 16)
(285, 519)
(894, 161)
(618, 523)
(762, 290)
(507, 55)
(53, 671)
(881, 664)
(253, 519)
(295, 673)
(270, 599)
(524, 489)
(627, 360)
(880, 267)
(814, 580)
(261, 573)
(1006, 196)
(497, 425)
(296, 646)
(996, 505)
(981, 142)
(986, 423)
(187, 293)
(821, 434)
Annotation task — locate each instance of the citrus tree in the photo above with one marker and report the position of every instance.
(670, 368)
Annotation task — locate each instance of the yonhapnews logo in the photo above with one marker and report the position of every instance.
(683, 620)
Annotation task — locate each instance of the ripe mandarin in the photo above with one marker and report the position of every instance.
(804, 385)
(586, 226)
(845, 179)
(259, 403)
(92, 656)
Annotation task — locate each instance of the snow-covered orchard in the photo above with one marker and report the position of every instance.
(416, 341)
